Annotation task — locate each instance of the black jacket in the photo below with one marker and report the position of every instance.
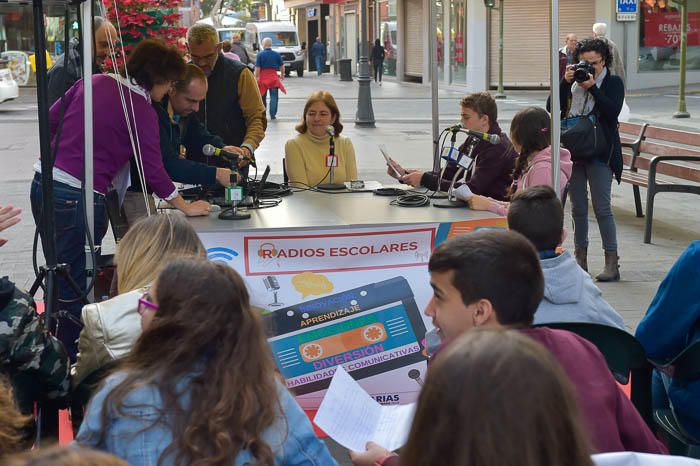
(65, 72)
(493, 173)
(220, 112)
(193, 137)
(608, 103)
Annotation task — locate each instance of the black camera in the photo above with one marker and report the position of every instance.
(581, 71)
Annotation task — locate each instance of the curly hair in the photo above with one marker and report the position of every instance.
(154, 62)
(599, 46)
(327, 98)
(64, 456)
(206, 336)
(12, 422)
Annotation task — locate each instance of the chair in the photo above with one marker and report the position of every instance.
(284, 170)
(624, 355)
(684, 368)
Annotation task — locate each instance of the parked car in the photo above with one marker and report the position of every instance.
(9, 89)
(285, 41)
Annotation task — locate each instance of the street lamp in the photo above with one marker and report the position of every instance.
(365, 113)
(682, 112)
(500, 94)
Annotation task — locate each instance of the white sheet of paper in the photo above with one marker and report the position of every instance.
(352, 418)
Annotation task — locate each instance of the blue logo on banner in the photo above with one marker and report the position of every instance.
(223, 255)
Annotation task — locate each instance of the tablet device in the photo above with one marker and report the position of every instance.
(385, 153)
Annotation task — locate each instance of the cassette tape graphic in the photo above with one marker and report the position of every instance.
(369, 330)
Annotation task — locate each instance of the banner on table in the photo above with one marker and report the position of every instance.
(343, 296)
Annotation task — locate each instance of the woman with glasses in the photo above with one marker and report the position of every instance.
(111, 327)
(601, 94)
(200, 385)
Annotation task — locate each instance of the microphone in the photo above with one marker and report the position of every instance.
(210, 150)
(330, 130)
(490, 138)
(415, 375)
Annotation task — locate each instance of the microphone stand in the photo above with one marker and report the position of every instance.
(439, 193)
(452, 202)
(332, 185)
(232, 213)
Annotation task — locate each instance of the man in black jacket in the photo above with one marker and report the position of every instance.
(68, 67)
(233, 108)
(181, 136)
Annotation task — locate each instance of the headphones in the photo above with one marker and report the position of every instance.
(267, 247)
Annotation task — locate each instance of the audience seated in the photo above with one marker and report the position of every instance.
(305, 155)
(64, 456)
(569, 292)
(13, 424)
(671, 324)
(112, 326)
(495, 397)
(200, 386)
(469, 275)
(531, 136)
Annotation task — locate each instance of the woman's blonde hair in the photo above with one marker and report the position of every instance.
(12, 422)
(64, 456)
(150, 244)
(327, 98)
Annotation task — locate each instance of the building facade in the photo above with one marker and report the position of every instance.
(468, 35)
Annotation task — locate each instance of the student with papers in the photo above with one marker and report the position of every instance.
(468, 273)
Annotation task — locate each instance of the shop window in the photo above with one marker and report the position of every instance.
(660, 34)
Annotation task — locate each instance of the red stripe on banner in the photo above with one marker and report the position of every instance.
(311, 413)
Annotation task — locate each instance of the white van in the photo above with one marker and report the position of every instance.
(285, 41)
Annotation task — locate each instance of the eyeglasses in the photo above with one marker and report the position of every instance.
(145, 304)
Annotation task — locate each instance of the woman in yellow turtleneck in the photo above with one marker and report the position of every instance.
(305, 155)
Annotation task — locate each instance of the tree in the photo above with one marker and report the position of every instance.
(142, 19)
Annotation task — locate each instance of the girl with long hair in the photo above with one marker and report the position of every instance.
(530, 134)
(493, 397)
(111, 327)
(200, 386)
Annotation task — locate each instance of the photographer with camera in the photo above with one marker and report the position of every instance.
(589, 89)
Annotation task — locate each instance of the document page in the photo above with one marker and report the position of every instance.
(352, 418)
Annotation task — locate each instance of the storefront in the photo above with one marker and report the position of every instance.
(526, 44)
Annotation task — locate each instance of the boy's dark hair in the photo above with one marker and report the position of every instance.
(154, 62)
(483, 104)
(537, 214)
(600, 46)
(500, 266)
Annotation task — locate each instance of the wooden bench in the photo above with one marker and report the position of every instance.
(673, 154)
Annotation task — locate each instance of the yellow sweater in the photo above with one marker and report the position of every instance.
(305, 159)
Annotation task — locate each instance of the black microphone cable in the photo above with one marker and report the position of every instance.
(411, 199)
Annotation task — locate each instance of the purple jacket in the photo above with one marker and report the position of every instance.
(611, 419)
(493, 172)
(112, 146)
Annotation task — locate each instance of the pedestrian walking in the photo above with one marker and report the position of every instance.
(267, 63)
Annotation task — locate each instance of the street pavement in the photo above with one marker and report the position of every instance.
(403, 124)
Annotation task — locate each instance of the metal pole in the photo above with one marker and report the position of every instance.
(432, 39)
(88, 184)
(682, 112)
(365, 113)
(554, 94)
(500, 94)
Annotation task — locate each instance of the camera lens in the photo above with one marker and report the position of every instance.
(581, 75)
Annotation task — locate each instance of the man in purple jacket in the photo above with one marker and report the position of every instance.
(492, 171)
(493, 278)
